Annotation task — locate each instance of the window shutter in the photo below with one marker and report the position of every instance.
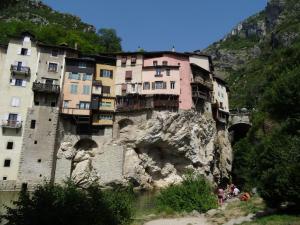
(165, 85)
(111, 74)
(13, 81)
(29, 52)
(19, 118)
(153, 85)
(19, 51)
(101, 73)
(24, 83)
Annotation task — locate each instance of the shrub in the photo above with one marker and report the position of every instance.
(65, 205)
(194, 193)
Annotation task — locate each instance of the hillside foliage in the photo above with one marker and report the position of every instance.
(52, 27)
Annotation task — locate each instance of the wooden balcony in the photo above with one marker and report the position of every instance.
(46, 88)
(165, 103)
(20, 70)
(206, 83)
(129, 107)
(76, 111)
(200, 94)
(14, 124)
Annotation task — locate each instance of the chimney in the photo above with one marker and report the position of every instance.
(173, 48)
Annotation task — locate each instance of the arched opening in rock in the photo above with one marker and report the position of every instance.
(123, 124)
(85, 144)
(83, 152)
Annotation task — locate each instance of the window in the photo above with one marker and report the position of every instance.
(128, 76)
(32, 124)
(87, 76)
(106, 89)
(35, 142)
(133, 60)
(106, 73)
(172, 84)
(52, 67)
(4, 178)
(84, 105)
(154, 63)
(7, 163)
(123, 61)
(74, 76)
(24, 51)
(54, 52)
(18, 82)
(133, 87)
(15, 102)
(74, 88)
(146, 86)
(65, 104)
(105, 117)
(168, 71)
(13, 117)
(158, 72)
(159, 85)
(9, 145)
(82, 65)
(165, 63)
(105, 104)
(39, 160)
(86, 89)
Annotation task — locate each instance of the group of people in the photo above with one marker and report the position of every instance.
(230, 192)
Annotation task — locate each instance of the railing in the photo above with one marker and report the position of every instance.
(48, 88)
(200, 94)
(20, 69)
(165, 103)
(97, 82)
(11, 124)
(205, 83)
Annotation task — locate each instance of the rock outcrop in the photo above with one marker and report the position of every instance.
(159, 151)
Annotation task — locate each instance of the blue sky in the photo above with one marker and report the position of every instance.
(160, 24)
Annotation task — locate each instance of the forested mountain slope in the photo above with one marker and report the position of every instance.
(53, 27)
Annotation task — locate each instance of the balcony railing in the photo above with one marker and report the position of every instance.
(11, 124)
(200, 94)
(165, 103)
(47, 88)
(23, 70)
(200, 80)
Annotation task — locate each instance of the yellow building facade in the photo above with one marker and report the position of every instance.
(104, 103)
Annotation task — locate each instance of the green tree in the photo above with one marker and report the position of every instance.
(109, 40)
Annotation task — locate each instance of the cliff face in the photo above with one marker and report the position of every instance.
(247, 40)
(152, 153)
(159, 151)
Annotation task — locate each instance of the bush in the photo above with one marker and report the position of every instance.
(194, 193)
(65, 205)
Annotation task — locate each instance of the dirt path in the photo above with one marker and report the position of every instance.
(201, 220)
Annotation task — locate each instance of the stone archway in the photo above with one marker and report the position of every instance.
(123, 124)
(82, 170)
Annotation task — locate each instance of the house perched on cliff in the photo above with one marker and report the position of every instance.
(62, 106)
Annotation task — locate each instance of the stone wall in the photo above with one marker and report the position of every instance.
(38, 149)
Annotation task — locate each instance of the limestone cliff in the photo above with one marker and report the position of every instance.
(159, 151)
(155, 152)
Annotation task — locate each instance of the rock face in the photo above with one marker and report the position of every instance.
(159, 151)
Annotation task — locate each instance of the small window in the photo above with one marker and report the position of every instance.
(18, 82)
(154, 63)
(84, 105)
(24, 51)
(82, 65)
(10, 145)
(87, 77)
(165, 63)
(86, 89)
(168, 72)
(146, 86)
(39, 160)
(106, 89)
(74, 76)
(35, 142)
(4, 178)
(74, 88)
(106, 73)
(123, 61)
(52, 67)
(53, 104)
(65, 104)
(54, 52)
(128, 76)
(172, 84)
(133, 60)
(158, 72)
(32, 124)
(7, 163)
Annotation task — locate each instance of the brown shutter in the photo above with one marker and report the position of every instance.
(153, 85)
(165, 85)
(128, 75)
(124, 87)
(101, 73)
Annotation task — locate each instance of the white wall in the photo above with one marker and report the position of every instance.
(220, 94)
